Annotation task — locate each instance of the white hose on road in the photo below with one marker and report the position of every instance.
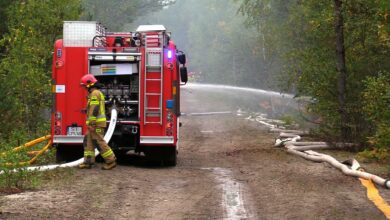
(289, 139)
(306, 152)
(107, 138)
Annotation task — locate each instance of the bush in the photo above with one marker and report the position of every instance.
(14, 176)
(376, 106)
(9, 163)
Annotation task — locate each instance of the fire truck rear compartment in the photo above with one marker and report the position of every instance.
(121, 91)
(119, 82)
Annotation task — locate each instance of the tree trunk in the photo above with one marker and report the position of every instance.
(341, 68)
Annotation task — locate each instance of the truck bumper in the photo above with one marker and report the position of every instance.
(156, 140)
(65, 139)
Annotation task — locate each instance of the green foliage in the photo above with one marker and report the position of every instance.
(287, 119)
(375, 155)
(376, 105)
(15, 176)
(29, 29)
(9, 162)
(4, 4)
(377, 98)
(33, 27)
(302, 34)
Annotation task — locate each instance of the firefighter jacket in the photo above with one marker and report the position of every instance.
(96, 115)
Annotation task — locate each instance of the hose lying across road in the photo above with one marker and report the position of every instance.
(305, 150)
(107, 138)
(290, 138)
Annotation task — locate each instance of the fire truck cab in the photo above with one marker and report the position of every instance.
(140, 74)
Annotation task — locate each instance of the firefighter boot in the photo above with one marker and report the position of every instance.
(109, 166)
(87, 164)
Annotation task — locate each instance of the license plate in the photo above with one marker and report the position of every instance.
(74, 131)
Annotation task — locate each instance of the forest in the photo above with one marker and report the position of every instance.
(335, 52)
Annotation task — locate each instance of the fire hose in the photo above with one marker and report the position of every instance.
(107, 138)
(29, 145)
(289, 139)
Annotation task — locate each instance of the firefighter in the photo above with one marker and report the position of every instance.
(96, 123)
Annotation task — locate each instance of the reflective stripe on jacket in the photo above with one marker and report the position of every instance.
(95, 109)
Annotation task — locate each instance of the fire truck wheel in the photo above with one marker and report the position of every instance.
(68, 153)
(166, 156)
(171, 159)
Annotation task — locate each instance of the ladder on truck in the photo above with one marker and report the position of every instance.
(154, 75)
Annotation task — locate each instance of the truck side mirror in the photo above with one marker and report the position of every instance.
(181, 58)
(183, 74)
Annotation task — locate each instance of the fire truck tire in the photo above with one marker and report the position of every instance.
(171, 159)
(66, 153)
(164, 156)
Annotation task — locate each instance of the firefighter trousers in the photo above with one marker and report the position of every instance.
(94, 139)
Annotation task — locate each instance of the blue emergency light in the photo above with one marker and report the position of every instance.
(170, 103)
(169, 54)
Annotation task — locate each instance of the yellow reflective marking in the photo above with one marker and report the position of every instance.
(373, 195)
(89, 153)
(102, 108)
(107, 154)
(101, 119)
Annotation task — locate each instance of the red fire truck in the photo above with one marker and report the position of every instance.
(140, 74)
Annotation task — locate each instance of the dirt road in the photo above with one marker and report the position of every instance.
(227, 169)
